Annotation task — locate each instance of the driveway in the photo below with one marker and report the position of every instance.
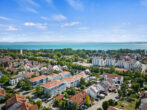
(99, 103)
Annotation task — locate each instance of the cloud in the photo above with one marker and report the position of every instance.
(83, 28)
(37, 25)
(4, 18)
(11, 28)
(28, 5)
(119, 30)
(143, 2)
(76, 4)
(44, 18)
(59, 17)
(70, 24)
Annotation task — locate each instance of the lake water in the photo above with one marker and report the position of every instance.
(61, 45)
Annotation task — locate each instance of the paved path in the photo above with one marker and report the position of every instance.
(99, 103)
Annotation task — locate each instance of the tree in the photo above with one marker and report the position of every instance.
(111, 102)
(82, 81)
(87, 101)
(4, 79)
(74, 106)
(39, 90)
(99, 108)
(112, 69)
(135, 86)
(105, 105)
(39, 103)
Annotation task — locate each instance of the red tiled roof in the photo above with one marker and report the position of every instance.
(82, 75)
(71, 79)
(38, 78)
(14, 99)
(27, 106)
(121, 69)
(112, 108)
(64, 72)
(79, 98)
(60, 96)
(2, 92)
(28, 75)
(53, 75)
(112, 76)
(52, 83)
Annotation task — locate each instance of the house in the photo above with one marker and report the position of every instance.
(112, 108)
(65, 74)
(116, 78)
(15, 79)
(54, 87)
(82, 75)
(29, 75)
(38, 80)
(56, 68)
(2, 93)
(143, 101)
(19, 102)
(79, 98)
(71, 81)
(60, 96)
(98, 61)
(52, 77)
(110, 62)
(94, 90)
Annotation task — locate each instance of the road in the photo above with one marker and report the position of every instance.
(99, 103)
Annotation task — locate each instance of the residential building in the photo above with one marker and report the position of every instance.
(19, 102)
(82, 75)
(15, 79)
(2, 93)
(143, 101)
(65, 74)
(54, 87)
(116, 78)
(94, 90)
(38, 80)
(71, 81)
(52, 77)
(79, 98)
(98, 61)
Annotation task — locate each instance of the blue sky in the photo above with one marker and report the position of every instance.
(73, 20)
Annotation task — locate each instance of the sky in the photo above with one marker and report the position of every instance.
(73, 20)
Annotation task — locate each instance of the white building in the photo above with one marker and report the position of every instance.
(54, 87)
(143, 101)
(15, 79)
(71, 81)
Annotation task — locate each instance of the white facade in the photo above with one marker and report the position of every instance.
(15, 80)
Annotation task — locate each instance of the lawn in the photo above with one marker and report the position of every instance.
(126, 105)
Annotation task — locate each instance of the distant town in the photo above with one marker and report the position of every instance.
(67, 79)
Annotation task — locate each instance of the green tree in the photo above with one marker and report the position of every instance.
(112, 69)
(105, 105)
(135, 86)
(74, 106)
(87, 101)
(99, 108)
(82, 81)
(39, 90)
(4, 79)
(39, 103)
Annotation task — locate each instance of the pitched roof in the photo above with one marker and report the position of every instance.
(38, 78)
(112, 108)
(83, 75)
(79, 98)
(60, 96)
(2, 92)
(112, 76)
(143, 95)
(52, 83)
(70, 79)
(15, 98)
(64, 72)
(28, 75)
(53, 75)
(27, 106)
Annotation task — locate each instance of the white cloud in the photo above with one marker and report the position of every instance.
(59, 17)
(70, 24)
(11, 28)
(4, 18)
(83, 28)
(37, 25)
(28, 5)
(143, 2)
(75, 4)
(44, 18)
(119, 30)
